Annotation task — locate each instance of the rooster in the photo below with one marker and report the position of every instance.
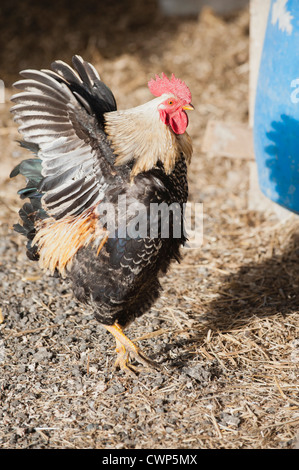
(88, 155)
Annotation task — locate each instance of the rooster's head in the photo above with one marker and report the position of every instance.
(176, 99)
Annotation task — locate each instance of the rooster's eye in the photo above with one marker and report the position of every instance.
(170, 102)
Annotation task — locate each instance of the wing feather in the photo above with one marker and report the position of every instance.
(61, 111)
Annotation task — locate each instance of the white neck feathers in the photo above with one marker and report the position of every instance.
(139, 134)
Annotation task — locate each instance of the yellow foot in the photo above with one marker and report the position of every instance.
(125, 349)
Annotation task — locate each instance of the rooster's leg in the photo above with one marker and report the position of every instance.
(126, 348)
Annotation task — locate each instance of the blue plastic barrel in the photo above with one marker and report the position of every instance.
(276, 118)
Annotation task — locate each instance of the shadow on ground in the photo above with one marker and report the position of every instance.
(257, 290)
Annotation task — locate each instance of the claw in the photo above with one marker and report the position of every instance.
(125, 349)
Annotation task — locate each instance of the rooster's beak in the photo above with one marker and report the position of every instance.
(188, 107)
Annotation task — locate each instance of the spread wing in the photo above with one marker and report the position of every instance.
(60, 113)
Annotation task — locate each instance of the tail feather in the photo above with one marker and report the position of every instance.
(31, 211)
(31, 169)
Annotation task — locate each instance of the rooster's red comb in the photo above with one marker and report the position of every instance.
(174, 85)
